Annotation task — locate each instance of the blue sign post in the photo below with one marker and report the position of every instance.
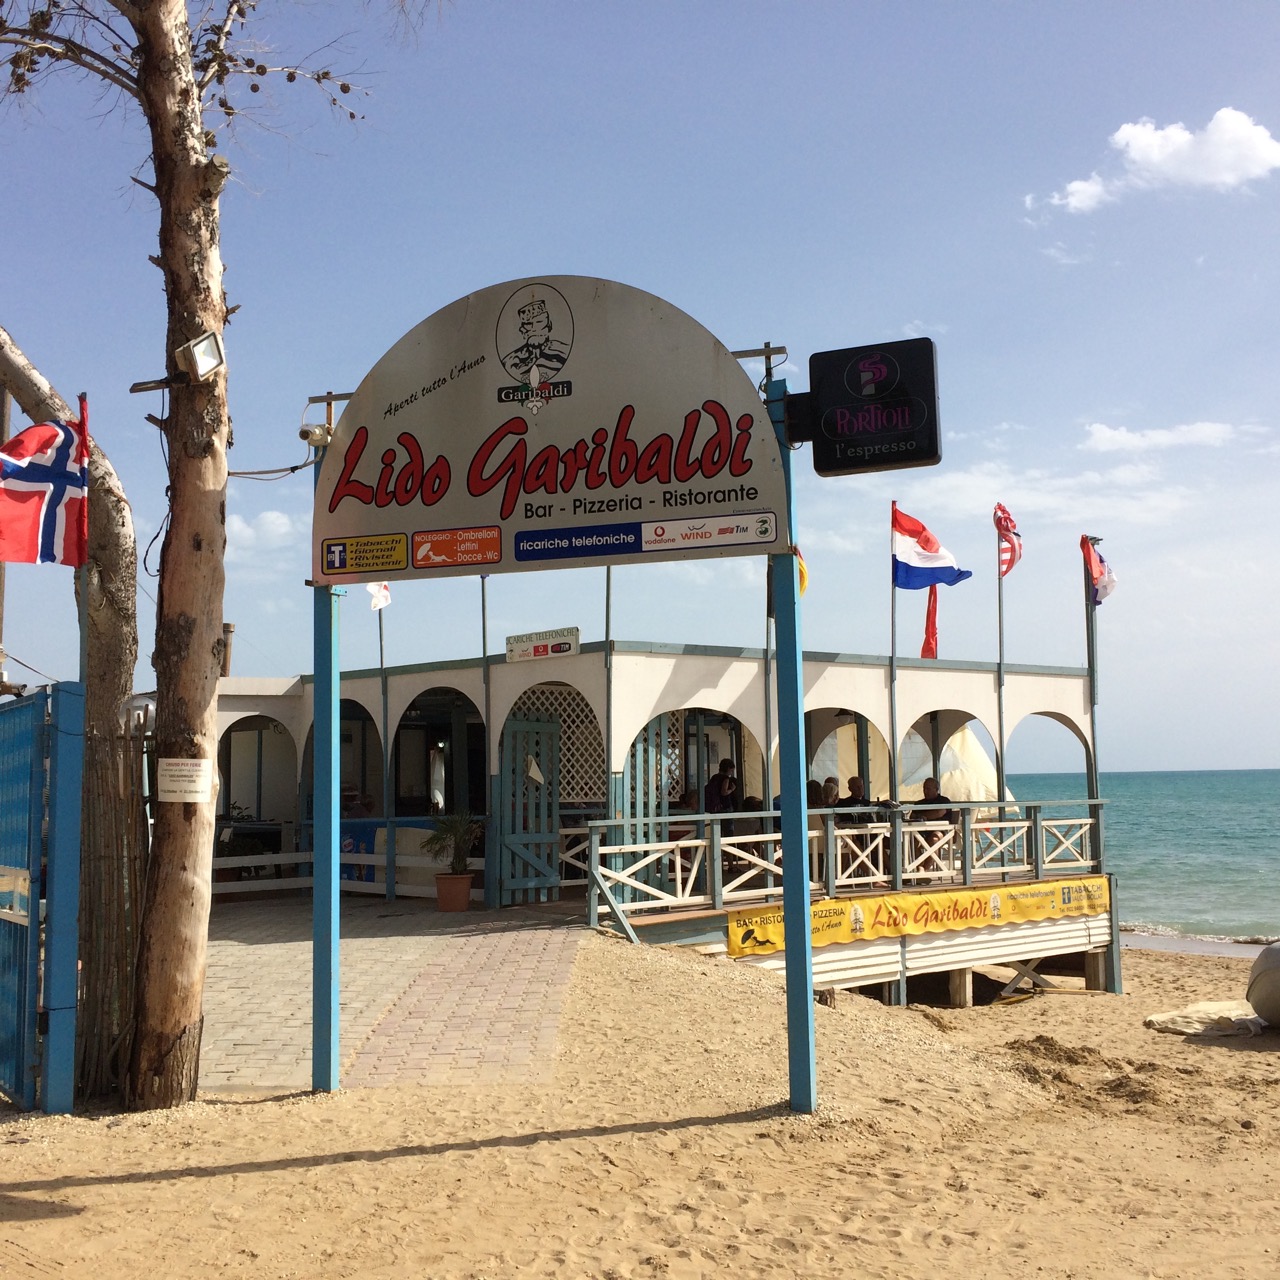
(801, 1044)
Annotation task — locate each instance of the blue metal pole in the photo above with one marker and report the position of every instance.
(801, 1043)
(325, 977)
(62, 893)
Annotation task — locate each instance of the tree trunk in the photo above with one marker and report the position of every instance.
(112, 840)
(165, 1060)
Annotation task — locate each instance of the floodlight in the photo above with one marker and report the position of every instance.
(202, 358)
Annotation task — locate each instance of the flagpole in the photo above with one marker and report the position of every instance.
(1000, 787)
(1091, 660)
(893, 669)
(490, 781)
(82, 571)
(768, 684)
(6, 402)
(387, 815)
(608, 689)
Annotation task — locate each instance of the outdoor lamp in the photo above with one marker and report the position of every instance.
(202, 358)
(197, 361)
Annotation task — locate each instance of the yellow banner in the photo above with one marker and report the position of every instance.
(758, 931)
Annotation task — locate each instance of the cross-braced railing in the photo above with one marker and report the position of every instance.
(717, 861)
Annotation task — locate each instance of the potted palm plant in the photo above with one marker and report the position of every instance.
(454, 836)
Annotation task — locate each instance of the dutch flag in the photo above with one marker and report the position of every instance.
(918, 558)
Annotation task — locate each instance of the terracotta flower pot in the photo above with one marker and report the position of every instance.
(453, 892)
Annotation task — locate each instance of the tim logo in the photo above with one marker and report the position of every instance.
(873, 376)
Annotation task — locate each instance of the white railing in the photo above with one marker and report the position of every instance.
(701, 865)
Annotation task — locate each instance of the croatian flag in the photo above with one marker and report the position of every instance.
(1099, 571)
(44, 492)
(918, 559)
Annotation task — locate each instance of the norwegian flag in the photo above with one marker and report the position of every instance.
(1010, 538)
(44, 493)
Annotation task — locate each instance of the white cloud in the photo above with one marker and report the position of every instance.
(922, 329)
(1104, 439)
(1230, 151)
(1065, 257)
(267, 531)
(1133, 493)
(1084, 195)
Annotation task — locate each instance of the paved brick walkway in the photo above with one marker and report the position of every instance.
(425, 997)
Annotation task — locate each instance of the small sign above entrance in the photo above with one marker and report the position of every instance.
(870, 408)
(561, 643)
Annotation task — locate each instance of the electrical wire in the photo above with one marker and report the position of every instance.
(26, 666)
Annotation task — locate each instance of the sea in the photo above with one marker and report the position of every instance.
(1195, 854)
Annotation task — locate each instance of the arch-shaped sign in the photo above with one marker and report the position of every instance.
(545, 423)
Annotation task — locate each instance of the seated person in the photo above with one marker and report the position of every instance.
(931, 793)
(830, 793)
(856, 799)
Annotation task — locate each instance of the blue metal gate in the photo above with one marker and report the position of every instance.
(529, 813)
(41, 767)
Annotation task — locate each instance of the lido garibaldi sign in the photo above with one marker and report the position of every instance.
(545, 423)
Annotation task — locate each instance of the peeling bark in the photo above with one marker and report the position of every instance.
(164, 1066)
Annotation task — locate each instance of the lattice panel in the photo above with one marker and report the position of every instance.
(581, 742)
(673, 756)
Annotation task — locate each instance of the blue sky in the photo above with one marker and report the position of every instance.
(1078, 203)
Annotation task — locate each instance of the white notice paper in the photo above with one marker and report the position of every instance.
(185, 781)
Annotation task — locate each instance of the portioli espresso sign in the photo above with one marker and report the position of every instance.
(544, 423)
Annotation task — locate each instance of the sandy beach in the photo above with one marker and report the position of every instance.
(1051, 1137)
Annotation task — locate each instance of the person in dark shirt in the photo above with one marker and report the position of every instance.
(721, 794)
(931, 793)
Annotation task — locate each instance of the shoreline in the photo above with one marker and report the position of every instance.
(1225, 947)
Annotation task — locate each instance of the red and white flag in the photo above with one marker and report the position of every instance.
(380, 595)
(44, 494)
(1099, 571)
(1010, 538)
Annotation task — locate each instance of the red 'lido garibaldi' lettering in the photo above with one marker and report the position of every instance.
(414, 479)
(608, 458)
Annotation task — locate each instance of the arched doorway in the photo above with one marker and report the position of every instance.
(551, 774)
(438, 759)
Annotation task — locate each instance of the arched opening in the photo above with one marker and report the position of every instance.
(359, 765)
(258, 771)
(674, 758)
(257, 805)
(438, 758)
(841, 743)
(1046, 758)
(551, 775)
(955, 748)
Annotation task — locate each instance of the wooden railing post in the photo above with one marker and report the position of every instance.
(966, 844)
(895, 848)
(1095, 838)
(829, 868)
(715, 866)
(1037, 840)
(593, 891)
